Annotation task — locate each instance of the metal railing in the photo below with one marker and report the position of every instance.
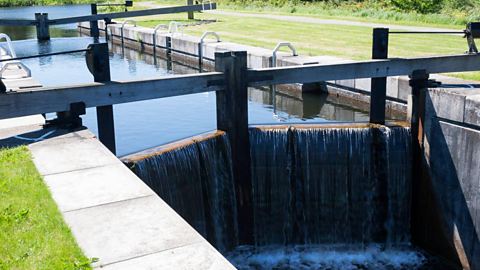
(200, 50)
(281, 44)
(10, 47)
(123, 25)
(203, 4)
(173, 28)
(155, 35)
(7, 62)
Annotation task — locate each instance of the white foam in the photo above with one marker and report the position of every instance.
(342, 257)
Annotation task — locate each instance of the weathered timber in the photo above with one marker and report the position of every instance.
(379, 85)
(363, 69)
(55, 99)
(94, 31)
(232, 117)
(135, 13)
(18, 22)
(190, 13)
(99, 65)
(43, 31)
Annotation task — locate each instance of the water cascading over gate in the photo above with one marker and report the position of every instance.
(312, 185)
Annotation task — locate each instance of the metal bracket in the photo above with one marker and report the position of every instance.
(69, 119)
(471, 33)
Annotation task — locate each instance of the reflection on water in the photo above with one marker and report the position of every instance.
(54, 12)
(145, 124)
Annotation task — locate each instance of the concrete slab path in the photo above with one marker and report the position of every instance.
(314, 20)
(113, 215)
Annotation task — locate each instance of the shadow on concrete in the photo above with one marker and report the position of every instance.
(23, 137)
(446, 212)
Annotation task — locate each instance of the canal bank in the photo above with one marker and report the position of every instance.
(112, 214)
(187, 49)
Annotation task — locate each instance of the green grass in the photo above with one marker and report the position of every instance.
(348, 42)
(351, 11)
(33, 234)
(17, 3)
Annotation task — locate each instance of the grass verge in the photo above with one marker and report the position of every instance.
(33, 234)
(350, 42)
(351, 11)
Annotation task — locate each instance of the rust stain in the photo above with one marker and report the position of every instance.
(136, 157)
(395, 124)
(158, 150)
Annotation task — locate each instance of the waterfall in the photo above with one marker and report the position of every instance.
(196, 180)
(323, 198)
(331, 185)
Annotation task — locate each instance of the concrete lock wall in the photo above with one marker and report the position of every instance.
(446, 219)
(186, 48)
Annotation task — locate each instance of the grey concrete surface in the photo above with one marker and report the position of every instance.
(195, 256)
(52, 158)
(129, 229)
(113, 215)
(69, 189)
(448, 214)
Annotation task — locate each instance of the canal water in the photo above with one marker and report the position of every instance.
(142, 125)
(145, 124)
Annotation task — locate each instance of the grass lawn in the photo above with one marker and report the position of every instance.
(351, 42)
(349, 12)
(33, 234)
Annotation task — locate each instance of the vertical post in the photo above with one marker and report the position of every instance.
(232, 117)
(190, 13)
(378, 92)
(168, 44)
(416, 117)
(99, 65)
(94, 32)
(43, 31)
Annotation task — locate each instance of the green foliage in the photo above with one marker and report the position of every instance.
(17, 3)
(33, 234)
(420, 6)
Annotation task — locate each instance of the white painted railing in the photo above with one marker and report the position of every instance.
(15, 63)
(126, 21)
(173, 28)
(200, 50)
(281, 44)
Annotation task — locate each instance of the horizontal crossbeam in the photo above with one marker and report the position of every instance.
(363, 69)
(57, 99)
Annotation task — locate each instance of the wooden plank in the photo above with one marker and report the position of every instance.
(378, 91)
(232, 117)
(43, 31)
(129, 14)
(56, 99)
(363, 69)
(18, 22)
(101, 73)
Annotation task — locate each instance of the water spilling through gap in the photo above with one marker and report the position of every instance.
(324, 198)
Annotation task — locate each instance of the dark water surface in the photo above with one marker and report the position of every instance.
(145, 124)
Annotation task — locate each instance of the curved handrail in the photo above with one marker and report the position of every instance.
(9, 43)
(155, 35)
(123, 24)
(200, 51)
(281, 44)
(173, 30)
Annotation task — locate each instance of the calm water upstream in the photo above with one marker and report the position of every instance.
(142, 125)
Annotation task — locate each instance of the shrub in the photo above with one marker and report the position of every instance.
(419, 6)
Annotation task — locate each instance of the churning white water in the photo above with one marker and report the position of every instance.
(335, 256)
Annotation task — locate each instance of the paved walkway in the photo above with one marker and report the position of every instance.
(315, 20)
